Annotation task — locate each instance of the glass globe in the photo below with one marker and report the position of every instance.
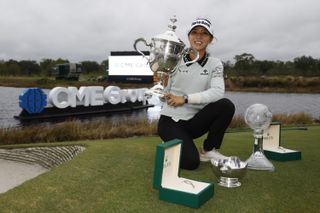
(258, 117)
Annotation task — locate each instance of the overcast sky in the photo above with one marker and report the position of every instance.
(81, 30)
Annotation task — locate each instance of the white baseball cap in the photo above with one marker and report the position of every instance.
(202, 22)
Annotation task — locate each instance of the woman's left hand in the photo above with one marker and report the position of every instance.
(173, 100)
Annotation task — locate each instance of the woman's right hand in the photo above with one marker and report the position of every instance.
(173, 100)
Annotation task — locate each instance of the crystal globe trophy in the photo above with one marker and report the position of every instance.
(258, 117)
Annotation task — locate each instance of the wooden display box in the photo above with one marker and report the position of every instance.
(173, 188)
(272, 145)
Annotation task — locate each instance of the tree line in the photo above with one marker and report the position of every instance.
(44, 67)
(245, 64)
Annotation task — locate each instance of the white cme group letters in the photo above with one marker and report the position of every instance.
(62, 97)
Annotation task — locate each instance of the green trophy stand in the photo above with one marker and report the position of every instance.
(173, 188)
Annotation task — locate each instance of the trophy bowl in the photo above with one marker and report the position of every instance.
(166, 51)
(229, 171)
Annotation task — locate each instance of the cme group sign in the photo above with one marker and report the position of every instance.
(34, 100)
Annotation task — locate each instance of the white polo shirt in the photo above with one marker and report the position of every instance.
(203, 82)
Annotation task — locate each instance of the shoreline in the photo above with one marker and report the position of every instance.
(230, 85)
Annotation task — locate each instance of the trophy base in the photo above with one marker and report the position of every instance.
(229, 182)
(258, 161)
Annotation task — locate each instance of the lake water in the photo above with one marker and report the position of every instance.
(278, 103)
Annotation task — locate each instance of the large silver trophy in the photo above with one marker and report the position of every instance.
(258, 117)
(166, 50)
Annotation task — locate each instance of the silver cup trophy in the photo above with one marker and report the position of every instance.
(258, 117)
(229, 171)
(166, 50)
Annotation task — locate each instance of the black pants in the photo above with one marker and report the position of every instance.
(213, 119)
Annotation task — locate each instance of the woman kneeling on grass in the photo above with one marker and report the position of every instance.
(194, 101)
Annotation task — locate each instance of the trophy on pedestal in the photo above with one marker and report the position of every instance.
(166, 50)
(258, 117)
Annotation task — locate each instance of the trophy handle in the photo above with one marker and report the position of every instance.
(185, 51)
(197, 55)
(145, 42)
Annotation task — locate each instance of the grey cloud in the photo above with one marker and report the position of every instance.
(88, 30)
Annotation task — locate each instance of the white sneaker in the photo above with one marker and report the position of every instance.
(213, 154)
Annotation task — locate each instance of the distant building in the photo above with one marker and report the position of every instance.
(67, 71)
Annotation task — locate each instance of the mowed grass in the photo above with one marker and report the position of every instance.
(116, 175)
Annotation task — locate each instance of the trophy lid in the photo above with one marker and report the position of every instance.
(170, 34)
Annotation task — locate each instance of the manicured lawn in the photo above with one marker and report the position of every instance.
(116, 176)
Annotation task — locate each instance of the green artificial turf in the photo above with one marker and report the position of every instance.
(116, 176)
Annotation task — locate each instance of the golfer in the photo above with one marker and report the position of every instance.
(194, 101)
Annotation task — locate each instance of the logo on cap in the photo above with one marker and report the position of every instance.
(202, 22)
